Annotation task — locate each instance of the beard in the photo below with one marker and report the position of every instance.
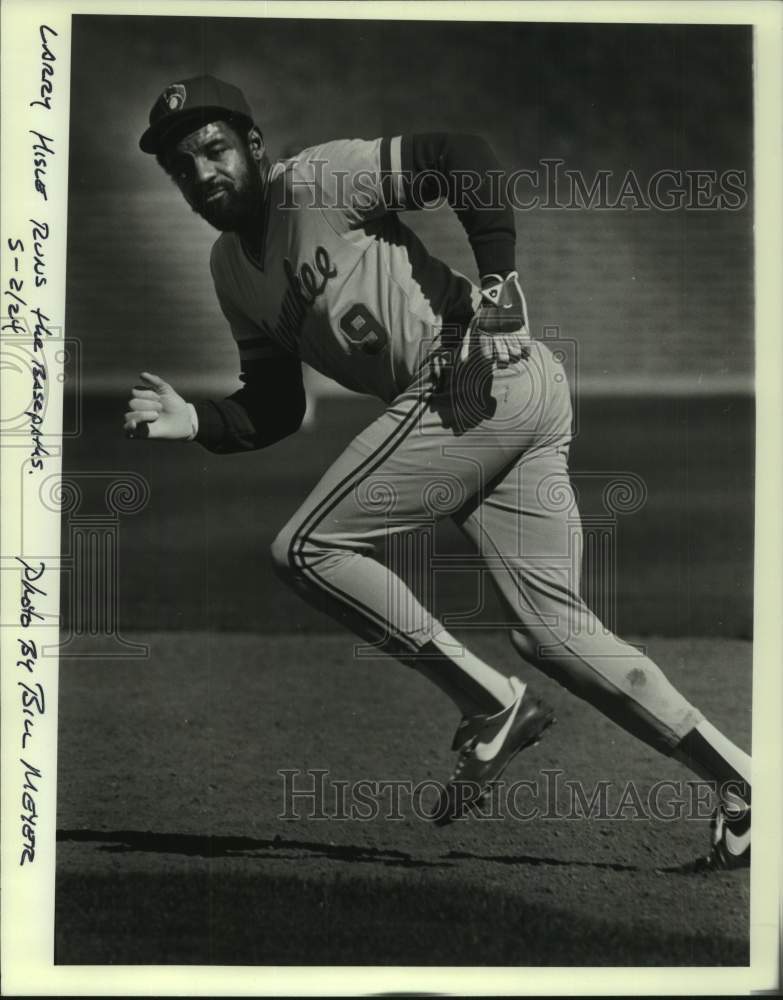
(228, 205)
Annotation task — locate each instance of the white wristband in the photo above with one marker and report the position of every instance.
(193, 422)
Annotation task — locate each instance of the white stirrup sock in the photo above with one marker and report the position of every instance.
(711, 755)
(473, 685)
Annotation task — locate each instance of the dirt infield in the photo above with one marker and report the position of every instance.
(172, 849)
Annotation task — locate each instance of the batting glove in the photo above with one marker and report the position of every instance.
(156, 410)
(499, 328)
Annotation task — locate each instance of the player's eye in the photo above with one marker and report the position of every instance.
(180, 170)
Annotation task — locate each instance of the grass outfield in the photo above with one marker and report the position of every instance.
(171, 848)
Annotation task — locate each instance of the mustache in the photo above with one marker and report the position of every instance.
(202, 194)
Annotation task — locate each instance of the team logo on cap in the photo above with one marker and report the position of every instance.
(174, 96)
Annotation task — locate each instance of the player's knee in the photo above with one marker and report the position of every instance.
(281, 552)
(300, 559)
(294, 553)
(525, 645)
(541, 651)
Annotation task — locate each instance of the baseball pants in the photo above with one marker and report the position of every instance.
(489, 451)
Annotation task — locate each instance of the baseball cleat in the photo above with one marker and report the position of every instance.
(487, 744)
(730, 838)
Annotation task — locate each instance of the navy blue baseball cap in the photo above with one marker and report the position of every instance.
(193, 102)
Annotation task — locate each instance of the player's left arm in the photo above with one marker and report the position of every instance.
(421, 168)
(366, 179)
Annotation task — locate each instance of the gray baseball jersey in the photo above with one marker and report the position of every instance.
(343, 283)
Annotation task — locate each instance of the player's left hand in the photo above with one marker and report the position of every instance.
(499, 329)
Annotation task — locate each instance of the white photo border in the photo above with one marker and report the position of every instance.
(30, 529)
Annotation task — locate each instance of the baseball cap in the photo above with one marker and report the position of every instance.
(198, 99)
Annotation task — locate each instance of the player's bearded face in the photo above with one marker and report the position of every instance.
(218, 175)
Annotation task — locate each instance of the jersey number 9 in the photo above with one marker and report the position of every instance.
(363, 329)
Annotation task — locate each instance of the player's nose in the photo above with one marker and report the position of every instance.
(203, 170)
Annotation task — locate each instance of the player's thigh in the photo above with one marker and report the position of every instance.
(400, 473)
(527, 530)
(428, 456)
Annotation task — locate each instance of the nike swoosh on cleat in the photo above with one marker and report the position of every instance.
(737, 845)
(486, 751)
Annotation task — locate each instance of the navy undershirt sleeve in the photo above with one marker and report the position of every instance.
(464, 170)
(269, 407)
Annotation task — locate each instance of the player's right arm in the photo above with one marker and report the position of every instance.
(269, 407)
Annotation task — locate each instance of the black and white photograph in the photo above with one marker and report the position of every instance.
(399, 421)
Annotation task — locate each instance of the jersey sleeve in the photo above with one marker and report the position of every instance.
(353, 177)
(363, 179)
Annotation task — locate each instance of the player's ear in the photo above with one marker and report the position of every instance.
(255, 142)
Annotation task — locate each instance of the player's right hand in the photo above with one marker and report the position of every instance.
(156, 410)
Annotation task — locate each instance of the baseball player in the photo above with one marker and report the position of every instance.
(314, 265)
